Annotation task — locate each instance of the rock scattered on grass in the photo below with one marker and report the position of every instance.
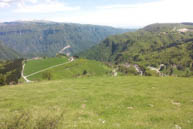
(130, 108)
(151, 105)
(178, 127)
(102, 121)
(176, 103)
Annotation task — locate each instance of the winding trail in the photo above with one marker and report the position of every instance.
(154, 69)
(157, 70)
(62, 50)
(138, 69)
(25, 77)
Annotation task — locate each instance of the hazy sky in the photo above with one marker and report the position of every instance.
(118, 13)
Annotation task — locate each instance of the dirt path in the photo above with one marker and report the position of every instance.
(62, 50)
(138, 69)
(157, 69)
(154, 69)
(25, 77)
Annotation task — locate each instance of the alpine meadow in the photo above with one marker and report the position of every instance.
(124, 64)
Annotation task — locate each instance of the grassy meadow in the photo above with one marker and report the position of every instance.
(99, 103)
(37, 65)
(77, 68)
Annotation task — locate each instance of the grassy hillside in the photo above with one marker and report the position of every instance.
(77, 68)
(7, 53)
(32, 66)
(99, 103)
(47, 38)
(151, 46)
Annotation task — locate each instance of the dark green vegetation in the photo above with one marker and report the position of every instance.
(75, 69)
(47, 38)
(7, 53)
(167, 44)
(10, 71)
(99, 103)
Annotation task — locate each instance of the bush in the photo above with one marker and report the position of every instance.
(84, 72)
(10, 72)
(151, 73)
(129, 71)
(47, 75)
(2, 80)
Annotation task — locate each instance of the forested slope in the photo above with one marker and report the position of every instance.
(7, 53)
(167, 44)
(40, 38)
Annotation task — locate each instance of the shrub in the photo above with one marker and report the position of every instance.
(2, 80)
(47, 75)
(84, 72)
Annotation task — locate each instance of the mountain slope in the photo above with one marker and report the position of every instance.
(7, 53)
(168, 44)
(48, 38)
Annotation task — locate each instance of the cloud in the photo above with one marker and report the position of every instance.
(2, 5)
(8, 3)
(44, 7)
(36, 6)
(147, 13)
(5, 3)
(163, 11)
(118, 15)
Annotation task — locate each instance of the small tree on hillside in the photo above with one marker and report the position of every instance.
(47, 75)
(84, 72)
(2, 80)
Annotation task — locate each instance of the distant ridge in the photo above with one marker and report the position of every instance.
(46, 38)
(188, 23)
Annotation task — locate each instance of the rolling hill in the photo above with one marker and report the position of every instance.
(40, 38)
(59, 68)
(167, 45)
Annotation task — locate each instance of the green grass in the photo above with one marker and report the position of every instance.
(74, 69)
(37, 65)
(99, 103)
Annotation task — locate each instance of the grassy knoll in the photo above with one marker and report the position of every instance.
(77, 68)
(37, 65)
(99, 103)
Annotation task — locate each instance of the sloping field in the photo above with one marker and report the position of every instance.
(77, 68)
(33, 66)
(99, 103)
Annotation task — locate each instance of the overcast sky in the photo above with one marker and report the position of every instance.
(117, 13)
